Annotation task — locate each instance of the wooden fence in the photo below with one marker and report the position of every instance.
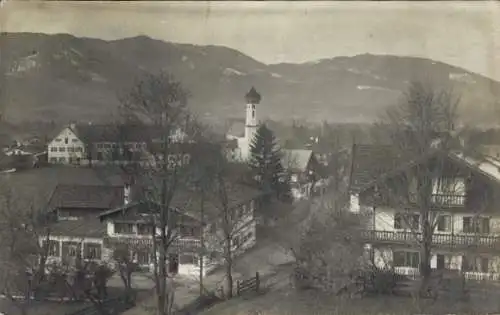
(252, 284)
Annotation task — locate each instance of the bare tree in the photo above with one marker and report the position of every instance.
(229, 217)
(421, 125)
(326, 244)
(23, 257)
(160, 103)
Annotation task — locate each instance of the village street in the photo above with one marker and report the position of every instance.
(266, 258)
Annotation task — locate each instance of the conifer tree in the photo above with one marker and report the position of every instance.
(265, 163)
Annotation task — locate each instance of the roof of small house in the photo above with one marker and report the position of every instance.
(91, 227)
(236, 127)
(86, 196)
(371, 161)
(296, 158)
(188, 202)
(34, 187)
(113, 133)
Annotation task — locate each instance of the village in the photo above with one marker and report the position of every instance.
(148, 169)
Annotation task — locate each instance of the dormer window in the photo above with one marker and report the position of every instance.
(66, 140)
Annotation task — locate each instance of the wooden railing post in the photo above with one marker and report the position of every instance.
(257, 281)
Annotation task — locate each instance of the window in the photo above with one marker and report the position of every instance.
(406, 221)
(476, 225)
(71, 149)
(92, 251)
(52, 248)
(78, 149)
(66, 140)
(124, 228)
(142, 257)
(444, 223)
(144, 229)
(406, 259)
(191, 259)
(62, 149)
(449, 186)
(53, 160)
(62, 160)
(443, 261)
(53, 149)
(74, 140)
(71, 249)
(475, 264)
(99, 156)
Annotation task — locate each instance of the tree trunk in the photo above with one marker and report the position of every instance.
(229, 268)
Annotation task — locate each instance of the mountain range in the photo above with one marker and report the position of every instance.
(61, 77)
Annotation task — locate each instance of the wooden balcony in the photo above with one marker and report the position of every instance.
(454, 241)
(444, 200)
(179, 244)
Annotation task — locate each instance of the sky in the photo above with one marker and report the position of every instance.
(464, 34)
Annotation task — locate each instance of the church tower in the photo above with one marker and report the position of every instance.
(252, 99)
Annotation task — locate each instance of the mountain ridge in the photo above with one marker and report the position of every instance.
(71, 78)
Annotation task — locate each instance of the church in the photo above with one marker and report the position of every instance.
(301, 163)
(241, 149)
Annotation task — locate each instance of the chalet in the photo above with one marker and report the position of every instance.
(76, 230)
(131, 224)
(305, 171)
(463, 207)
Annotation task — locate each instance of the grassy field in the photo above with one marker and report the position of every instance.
(41, 308)
(287, 302)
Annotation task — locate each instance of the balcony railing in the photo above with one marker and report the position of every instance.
(181, 244)
(441, 239)
(450, 200)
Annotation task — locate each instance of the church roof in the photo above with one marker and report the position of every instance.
(252, 97)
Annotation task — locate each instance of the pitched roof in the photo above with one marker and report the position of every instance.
(34, 187)
(188, 202)
(296, 158)
(371, 161)
(86, 196)
(236, 128)
(91, 227)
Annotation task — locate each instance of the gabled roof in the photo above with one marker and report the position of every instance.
(485, 166)
(90, 227)
(371, 161)
(236, 128)
(297, 159)
(113, 133)
(86, 196)
(188, 202)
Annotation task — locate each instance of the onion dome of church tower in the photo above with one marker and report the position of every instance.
(252, 97)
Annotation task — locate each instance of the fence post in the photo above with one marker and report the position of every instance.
(257, 281)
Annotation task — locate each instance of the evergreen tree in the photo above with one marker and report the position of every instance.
(265, 163)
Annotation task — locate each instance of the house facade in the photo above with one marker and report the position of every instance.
(92, 221)
(103, 144)
(132, 226)
(463, 211)
(76, 230)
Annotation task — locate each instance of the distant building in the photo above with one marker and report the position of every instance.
(102, 144)
(305, 172)
(241, 151)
